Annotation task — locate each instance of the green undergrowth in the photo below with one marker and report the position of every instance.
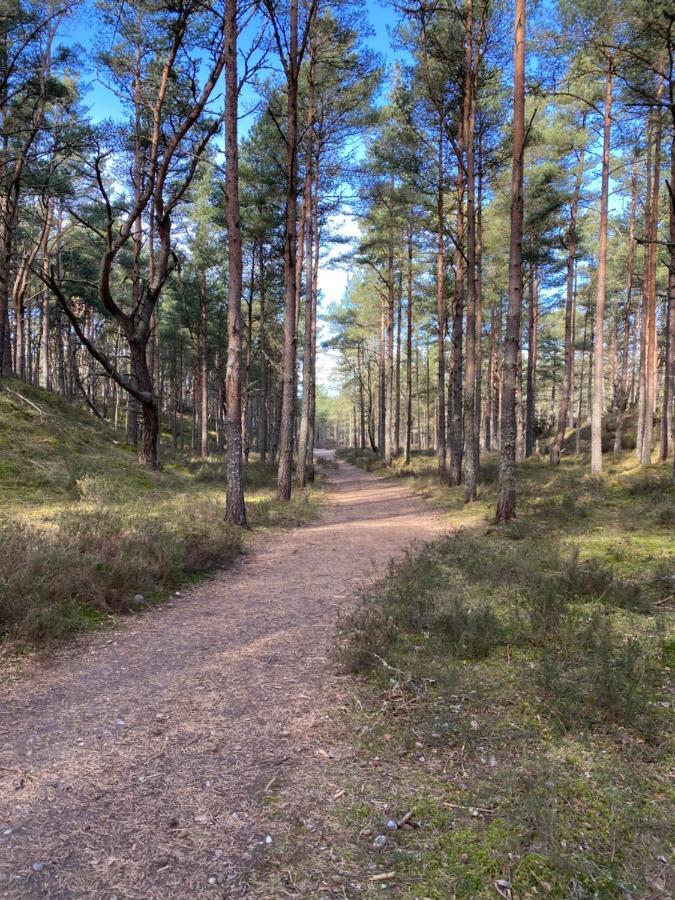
(85, 528)
(624, 520)
(513, 694)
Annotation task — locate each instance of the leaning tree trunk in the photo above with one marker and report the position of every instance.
(506, 504)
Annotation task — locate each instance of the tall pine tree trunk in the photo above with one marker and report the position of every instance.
(303, 440)
(235, 511)
(397, 379)
(381, 382)
(287, 422)
(203, 369)
(441, 312)
(478, 406)
(649, 393)
(598, 348)
(456, 430)
(668, 428)
(468, 128)
(506, 504)
(532, 352)
(568, 372)
(623, 394)
(490, 417)
(389, 357)
(316, 236)
(263, 424)
(408, 350)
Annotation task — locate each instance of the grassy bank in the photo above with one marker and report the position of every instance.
(508, 731)
(85, 529)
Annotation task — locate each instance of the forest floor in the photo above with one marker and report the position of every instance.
(507, 729)
(145, 760)
(494, 718)
(86, 533)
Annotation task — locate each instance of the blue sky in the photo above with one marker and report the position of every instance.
(82, 29)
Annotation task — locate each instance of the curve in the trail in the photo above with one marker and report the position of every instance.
(132, 763)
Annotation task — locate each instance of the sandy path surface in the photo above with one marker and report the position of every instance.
(132, 763)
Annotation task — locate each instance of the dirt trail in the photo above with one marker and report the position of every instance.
(132, 763)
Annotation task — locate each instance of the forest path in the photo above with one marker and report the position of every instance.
(133, 763)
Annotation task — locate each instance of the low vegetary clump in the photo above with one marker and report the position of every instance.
(515, 699)
(87, 563)
(465, 597)
(86, 528)
(70, 571)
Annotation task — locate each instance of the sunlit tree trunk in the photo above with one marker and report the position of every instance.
(490, 391)
(456, 430)
(668, 428)
(381, 382)
(408, 351)
(623, 395)
(649, 289)
(532, 353)
(389, 336)
(263, 413)
(468, 128)
(203, 369)
(45, 359)
(397, 379)
(568, 373)
(235, 511)
(441, 312)
(506, 504)
(478, 405)
(289, 375)
(303, 440)
(598, 348)
(316, 237)
(246, 404)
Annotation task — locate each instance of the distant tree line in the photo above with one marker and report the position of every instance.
(515, 273)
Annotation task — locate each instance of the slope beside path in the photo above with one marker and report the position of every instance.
(133, 762)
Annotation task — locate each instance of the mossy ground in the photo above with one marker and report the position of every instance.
(513, 694)
(85, 527)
